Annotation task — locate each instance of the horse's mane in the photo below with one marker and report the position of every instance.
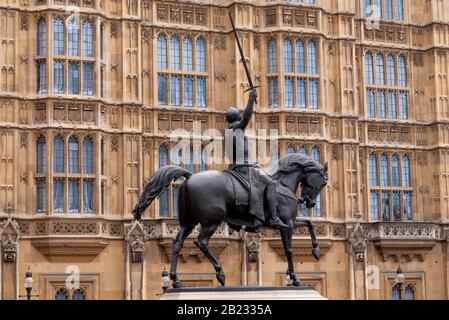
(290, 163)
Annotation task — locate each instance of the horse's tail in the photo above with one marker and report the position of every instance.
(162, 178)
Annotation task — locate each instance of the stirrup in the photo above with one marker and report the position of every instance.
(277, 223)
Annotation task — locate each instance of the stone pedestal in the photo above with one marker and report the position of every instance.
(242, 293)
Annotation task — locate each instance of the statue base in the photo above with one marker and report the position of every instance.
(242, 293)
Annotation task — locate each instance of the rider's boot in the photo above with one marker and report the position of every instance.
(274, 221)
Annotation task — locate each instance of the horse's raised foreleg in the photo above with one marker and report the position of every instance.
(178, 242)
(309, 225)
(286, 236)
(202, 243)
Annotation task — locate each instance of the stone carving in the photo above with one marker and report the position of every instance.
(24, 140)
(9, 247)
(24, 22)
(136, 238)
(219, 42)
(74, 228)
(253, 246)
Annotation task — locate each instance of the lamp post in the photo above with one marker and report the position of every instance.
(399, 279)
(165, 279)
(29, 283)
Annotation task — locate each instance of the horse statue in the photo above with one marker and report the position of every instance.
(208, 198)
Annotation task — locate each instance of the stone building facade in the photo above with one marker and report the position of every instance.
(91, 89)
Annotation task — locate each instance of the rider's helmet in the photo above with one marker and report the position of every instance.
(233, 114)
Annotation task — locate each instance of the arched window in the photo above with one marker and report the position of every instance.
(188, 91)
(374, 205)
(88, 39)
(73, 37)
(163, 198)
(311, 58)
(290, 149)
(188, 54)
(395, 170)
(88, 156)
(383, 170)
(409, 292)
(402, 71)
(61, 294)
(200, 55)
(41, 77)
(395, 293)
(79, 294)
(58, 37)
(175, 90)
(388, 9)
(188, 160)
(405, 171)
(302, 150)
(88, 196)
(391, 75)
(74, 78)
(162, 85)
(408, 215)
(315, 154)
(273, 92)
(400, 10)
(272, 56)
(288, 56)
(162, 52)
(203, 166)
(373, 170)
(392, 107)
(201, 92)
(41, 155)
(300, 61)
(74, 192)
(41, 37)
(175, 54)
(58, 155)
(380, 74)
(369, 72)
(73, 155)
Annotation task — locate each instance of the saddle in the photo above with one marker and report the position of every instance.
(238, 180)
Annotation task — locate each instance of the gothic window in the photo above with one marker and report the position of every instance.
(391, 74)
(175, 54)
(383, 9)
(88, 199)
(73, 196)
(390, 191)
(163, 198)
(88, 39)
(312, 58)
(272, 57)
(73, 37)
(61, 294)
(41, 37)
(88, 156)
(73, 78)
(373, 170)
(313, 94)
(300, 62)
(301, 93)
(41, 77)
(41, 155)
(388, 9)
(290, 149)
(395, 293)
(58, 155)
(58, 195)
(273, 92)
(288, 56)
(288, 92)
(383, 98)
(188, 54)
(88, 79)
(162, 52)
(41, 196)
(400, 10)
(178, 86)
(380, 78)
(369, 70)
(58, 77)
(58, 37)
(316, 211)
(409, 292)
(79, 294)
(73, 155)
(203, 165)
(200, 55)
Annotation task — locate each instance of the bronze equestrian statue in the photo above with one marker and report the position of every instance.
(242, 196)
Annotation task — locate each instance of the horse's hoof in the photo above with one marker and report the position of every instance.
(296, 283)
(177, 284)
(316, 253)
(221, 277)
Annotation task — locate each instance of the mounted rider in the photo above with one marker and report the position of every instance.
(261, 188)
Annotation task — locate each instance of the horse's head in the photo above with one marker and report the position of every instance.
(311, 184)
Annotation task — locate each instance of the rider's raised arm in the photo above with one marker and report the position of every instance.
(247, 114)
